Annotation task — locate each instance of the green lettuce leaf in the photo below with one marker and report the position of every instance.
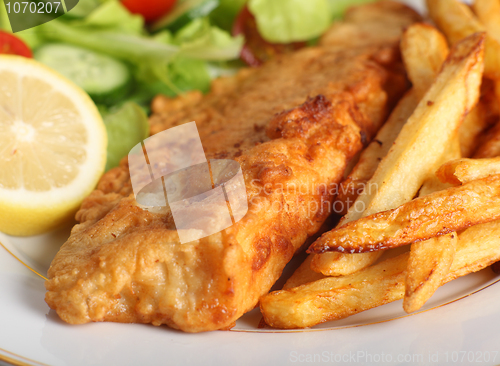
(113, 15)
(183, 13)
(129, 47)
(285, 21)
(172, 63)
(200, 40)
(83, 8)
(126, 127)
(178, 61)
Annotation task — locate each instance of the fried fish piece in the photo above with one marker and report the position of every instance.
(292, 125)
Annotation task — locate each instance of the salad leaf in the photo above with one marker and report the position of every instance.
(126, 126)
(203, 41)
(188, 74)
(113, 14)
(178, 61)
(165, 62)
(224, 15)
(286, 21)
(184, 12)
(83, 8)
(133, 48)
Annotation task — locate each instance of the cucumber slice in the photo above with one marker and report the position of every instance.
(104, 78)
(184, 12)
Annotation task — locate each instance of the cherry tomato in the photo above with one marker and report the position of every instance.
(11, 45)
(149, 9)
(256, 49)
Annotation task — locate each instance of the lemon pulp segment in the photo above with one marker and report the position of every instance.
(52, 147)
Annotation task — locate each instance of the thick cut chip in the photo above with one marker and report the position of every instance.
(334, 298)
(461, 171)
(453, 209)
(458, 21)
(425, 137)
(488, 12)
(428, 264)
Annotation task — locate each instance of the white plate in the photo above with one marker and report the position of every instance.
(460, 332)
(453, 332)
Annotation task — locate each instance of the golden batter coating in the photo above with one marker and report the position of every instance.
(293, 125)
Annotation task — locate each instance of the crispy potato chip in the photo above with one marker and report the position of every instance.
(471, 129)
(488, 12)
(429, 260)
(462, 171)
(370, 158)
(425, 137)
(428, 264)
(458, 21)
(334, 298)
(341, 264)
(432, 183)
(424, 49)
(303, 275)
(429, 131)
(411, 158)
(438, 213)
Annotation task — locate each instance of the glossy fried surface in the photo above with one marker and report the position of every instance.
(438, 213)
(292, 124)
(334, 298)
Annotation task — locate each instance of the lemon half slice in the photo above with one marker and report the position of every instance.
(52, 147)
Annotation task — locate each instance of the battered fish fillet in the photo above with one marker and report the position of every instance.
(293, 125)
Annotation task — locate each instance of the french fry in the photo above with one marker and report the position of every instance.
(471, 129)
(462, 171)
(429, 262)
(341, 264)
(488, 12)
(428, 132)
(426, 135)
(432, 183)
(370, 158)
(490, 149)
(458, 21)
(303, 275)
(439, 213)
(424, 49)
(334, 298)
